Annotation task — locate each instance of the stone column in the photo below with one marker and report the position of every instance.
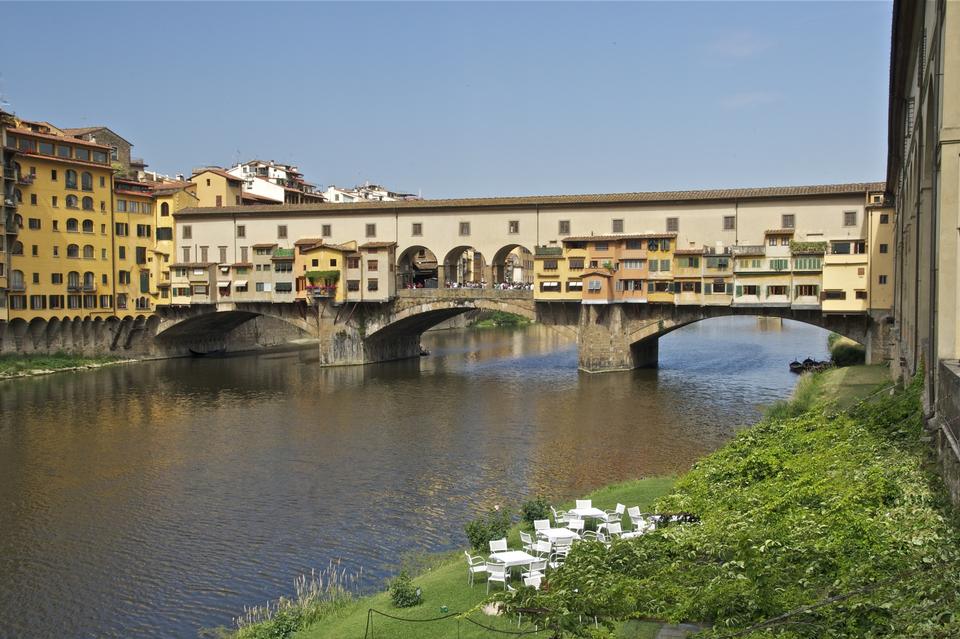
(604, 341)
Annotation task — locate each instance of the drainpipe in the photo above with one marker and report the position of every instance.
(935, 220)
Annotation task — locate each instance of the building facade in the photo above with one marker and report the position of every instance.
(275, 182)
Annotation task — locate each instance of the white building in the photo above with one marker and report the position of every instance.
(366, 192)
(280, 183)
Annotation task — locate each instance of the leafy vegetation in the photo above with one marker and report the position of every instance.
(822, 524)
(493, 525)
(403, 593)
(534, 509)
(13, 364)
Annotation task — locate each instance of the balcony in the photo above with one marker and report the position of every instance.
(25, 180)
(9, 173)
(748, 249)
(548, 251)
(89, 288)
(16, 287)
(319, 292)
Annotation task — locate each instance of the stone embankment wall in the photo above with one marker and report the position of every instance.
(947, 426)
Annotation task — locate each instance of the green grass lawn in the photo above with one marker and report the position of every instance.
(446, 585)
(11, 364)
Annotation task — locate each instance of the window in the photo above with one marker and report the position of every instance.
(884, 248)
(241, 231)
(353, 285)
(464, 228)
(223, 254)
(834, 295)
(188, 232)
(53, 175)
(373, 284)
(372, 265)
(203, 254)
(594, 285)
(281, 267)
(664, 266)
(371, 230)
(807, 263)
(34, 250)
(56, 302)
(417, 229)
(632, 264)
(88, 252)
(780, 265)
(673, 224)
(103, 254)
(806, 290)
(849, 218)
(776, 290)
(244, 254)
(353, 262)
(549, 287)
(574, 287)
(729, 222)
(121, 206)
(88, 226)
(70, 179)
(617, 226)
(284, 287)
(122, 252)
(771, 241)
(654, 266)
(186, 253)
(53, 200)
(114, 155)
(143, 230)
(38, 302)
(281, 231)
(749, 289)
(860, 295)
(33, 199)
(86, 181)
(208, 181)
(103, 181)
(73, 250)
(882, 279)
(564, 229)
(788, 220)
(601, 246)
(551, 265)
(326, 230)
(103, 206)
(73, 202)
(141, 254)
(121, 229)
(219, 200)
(33, 223)
(164, 210)
(884, 218)
(575, 263)
(513, 226)
(718, 263)
(56, 278)
(36, 278)
(164, 234)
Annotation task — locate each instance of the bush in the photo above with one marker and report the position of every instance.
(402, 591)
(538, 508)
(481, 531)
(847, 354)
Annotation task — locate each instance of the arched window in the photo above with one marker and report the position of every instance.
(87, 251)
(73, 280)
(73, 202)
(18, 196)
(86, 181)
(16, 280)
(17, 170)
(88, 203)
(18, 220)
(70, 179)
(89, 281)
(16, 248)
(72, 225)
(73, 250)
(164, 210)
(88, 226)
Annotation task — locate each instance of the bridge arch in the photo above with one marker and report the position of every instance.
(417, 266)
(464, 264)
(512, 263)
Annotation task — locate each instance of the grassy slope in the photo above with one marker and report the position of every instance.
(446, 585)
(19, 363)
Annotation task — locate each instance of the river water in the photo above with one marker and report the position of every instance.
(154, 499)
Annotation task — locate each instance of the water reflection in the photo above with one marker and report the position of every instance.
(153, 499)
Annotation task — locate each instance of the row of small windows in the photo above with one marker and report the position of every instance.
(65, 151)
(59, 302)
(132, 206)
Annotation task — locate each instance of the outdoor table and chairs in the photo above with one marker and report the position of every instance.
(512, 558)
(588, 512)
(553, 534)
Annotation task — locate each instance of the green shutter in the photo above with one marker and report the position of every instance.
(739, 290)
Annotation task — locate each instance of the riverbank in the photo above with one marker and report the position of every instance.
(16, 366)
(817, 398)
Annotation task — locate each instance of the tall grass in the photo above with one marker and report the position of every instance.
(53, 361)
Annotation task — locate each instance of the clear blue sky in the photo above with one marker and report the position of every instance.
(471, 99)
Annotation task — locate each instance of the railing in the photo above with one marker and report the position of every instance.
(751, 249)
(552, 251)
(9, 173)
(17, 287)
(26, 180)
(322, 291)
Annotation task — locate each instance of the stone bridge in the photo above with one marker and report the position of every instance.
(609, 337)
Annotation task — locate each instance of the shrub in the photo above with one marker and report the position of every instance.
(402, 591)
(494, 525)
(847, 354)
(538, 508)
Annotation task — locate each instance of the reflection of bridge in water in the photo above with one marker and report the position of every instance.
(609, 337)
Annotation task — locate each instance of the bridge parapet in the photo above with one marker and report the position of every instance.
(463, 294)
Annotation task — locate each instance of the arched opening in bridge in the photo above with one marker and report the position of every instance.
(417, 268)
(465, 266)
(513, 264)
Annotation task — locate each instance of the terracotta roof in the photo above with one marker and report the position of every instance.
(219, 172)
(619, 236)
(163, 284)
(242, 265)
(256, 246)
(169, 187)
(597, 271)
(779, 232)
(689, 251)
(61, 138)
(253, 197)
(369, 245)
(84, 130)
(308, 240)
(774, 192)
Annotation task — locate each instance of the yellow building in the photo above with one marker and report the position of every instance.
(133, 240)
(660, 249)
(62, 261)
(321, 269)
(169, 197)
(557, 272)
(217, 188)
(688, 275)
(881, 244)
(845, 276)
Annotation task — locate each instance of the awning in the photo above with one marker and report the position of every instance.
(550, 284)
(223, 284)
(240, 283)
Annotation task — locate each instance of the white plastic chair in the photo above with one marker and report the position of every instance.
(610, 516)
(615, 529)
(533, 582)
(584, 503)
(594, 536)
(542, 548)
(562, 546)
(559, 518)
(527, 540)
(497, 572)
(474, 565)
(536, 569)
(576, 525)
(540, 524)
(556, 560)
(498, 545)
(633, 512)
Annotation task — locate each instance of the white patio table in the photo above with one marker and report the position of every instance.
(584, 513)
(512, 558)
(553, 534)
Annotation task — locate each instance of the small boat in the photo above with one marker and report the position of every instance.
(796, 367)
(424, 352)
(217, 352)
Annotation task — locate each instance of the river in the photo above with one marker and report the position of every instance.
(154, 499)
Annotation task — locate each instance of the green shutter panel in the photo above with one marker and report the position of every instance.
(739, 290)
